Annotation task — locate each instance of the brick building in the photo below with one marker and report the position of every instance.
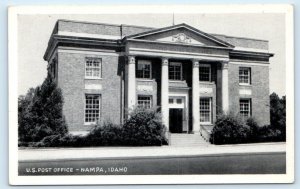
(105, 70)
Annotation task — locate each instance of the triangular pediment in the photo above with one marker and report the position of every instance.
(181, 33)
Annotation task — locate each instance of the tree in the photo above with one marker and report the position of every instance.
(23, 104)
(278, 112)
(40, 112)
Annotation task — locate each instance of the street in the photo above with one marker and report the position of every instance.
(242, 163)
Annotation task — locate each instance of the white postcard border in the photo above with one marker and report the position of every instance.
(14, 179)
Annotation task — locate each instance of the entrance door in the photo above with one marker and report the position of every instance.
(175, 120)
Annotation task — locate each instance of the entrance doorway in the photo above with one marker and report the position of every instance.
(177, 114)
(175, 120)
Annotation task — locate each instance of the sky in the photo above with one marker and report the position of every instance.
(34, 32)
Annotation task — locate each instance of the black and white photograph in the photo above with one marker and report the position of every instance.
(170, 95)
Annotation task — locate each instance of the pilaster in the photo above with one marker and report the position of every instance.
(196, 97)
(165, 92)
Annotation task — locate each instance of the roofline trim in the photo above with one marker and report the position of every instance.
(179, 44)
(159, 30)
(101, 23)
(249, 38)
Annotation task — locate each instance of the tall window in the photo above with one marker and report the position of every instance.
(175, 71)
(204, 73)
(143, 69)
(92, 108)
(93, 68)
(244, 75)
(144, 101)
(205, 110)
(245, 108)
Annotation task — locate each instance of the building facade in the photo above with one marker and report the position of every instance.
(106, 70)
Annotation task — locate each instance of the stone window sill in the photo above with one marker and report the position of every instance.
(207, 82)
(144, 80)
(245, 85)
(91, 78)
(89, 124)
(177, 81)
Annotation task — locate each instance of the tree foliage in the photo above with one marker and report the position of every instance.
(278, 113)
(40, 112)
(143, 128)
(230, 129)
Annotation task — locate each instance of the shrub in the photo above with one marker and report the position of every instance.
(230, 129)
(233, 130)
(40, 113)
(253, 126)
(144, 128)
(105, 134)
(61, 141)
(269, 133)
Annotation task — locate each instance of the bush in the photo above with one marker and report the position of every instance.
(253, 126)
(61, 141)
(268, 133)
(106, 134)
(40, 113)
(230, 129)
(233, 130)
(144, 128)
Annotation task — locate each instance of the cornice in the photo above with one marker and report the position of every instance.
(251, 54)
(57, 40)
(177, 44)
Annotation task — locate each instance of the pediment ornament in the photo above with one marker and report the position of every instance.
(181, 38)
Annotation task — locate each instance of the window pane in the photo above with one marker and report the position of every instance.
(93, 67)
(143, 70)
(92, 108)
(245, 109)
(144, 101)
(175, 71)
(179, 101)
(204, 73)
(244, 75)
(205, 110)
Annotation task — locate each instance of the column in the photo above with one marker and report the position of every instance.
(165, 92)
(131, 83)
(196, 97)
(225, 90)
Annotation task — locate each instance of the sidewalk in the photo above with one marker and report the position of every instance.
(58, 154)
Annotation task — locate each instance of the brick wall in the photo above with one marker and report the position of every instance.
(244, 42)
(71, 79)
(259, 91)
(89, 27)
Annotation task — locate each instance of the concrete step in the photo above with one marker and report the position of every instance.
(187, 140)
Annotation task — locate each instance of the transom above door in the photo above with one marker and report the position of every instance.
(176, 102)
